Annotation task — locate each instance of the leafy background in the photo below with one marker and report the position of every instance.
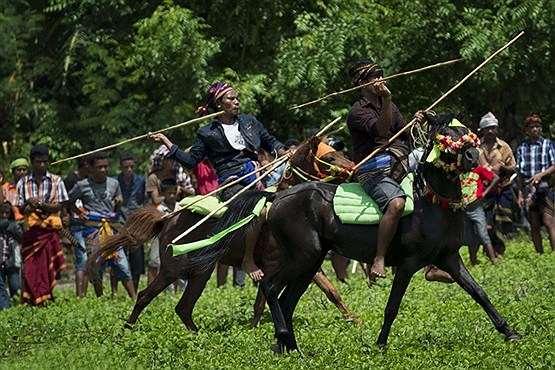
(438, 326)
(82, 74)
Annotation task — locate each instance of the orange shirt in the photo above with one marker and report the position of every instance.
(10, 194)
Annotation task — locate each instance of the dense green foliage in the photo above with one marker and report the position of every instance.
(81, 74)
(439, 326)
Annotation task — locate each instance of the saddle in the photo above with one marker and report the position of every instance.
(203, 206)
(352, 205)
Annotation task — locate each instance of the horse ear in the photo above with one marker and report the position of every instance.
(445, 119)
(314, 142)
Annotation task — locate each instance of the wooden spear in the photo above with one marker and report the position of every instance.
(373, 82)
(276, 163)
(194, 120)
(171, 214)
(435, 104)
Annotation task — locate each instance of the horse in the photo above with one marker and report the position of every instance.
(303, 222)
(306, 164)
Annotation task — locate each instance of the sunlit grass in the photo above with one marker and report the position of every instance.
(439, 326)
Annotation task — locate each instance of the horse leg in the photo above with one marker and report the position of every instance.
(271, 286)
(453, 264)
(288, 301)
(400, 283)
(146, 295)
(194, 289)
(333, 295)
(258, 308)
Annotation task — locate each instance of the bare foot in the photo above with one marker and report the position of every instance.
(378, 269)
(253, 271)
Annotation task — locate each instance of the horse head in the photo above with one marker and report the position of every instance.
(451, 151)
(316, 161)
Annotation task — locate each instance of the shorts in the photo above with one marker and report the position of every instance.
(137, 261)
(80, 253)
(475, 225)
(382, 189)
(154, 256)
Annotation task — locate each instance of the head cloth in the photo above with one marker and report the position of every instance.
(215, 92)
(532, 118)
(19, 162)
(363, 70)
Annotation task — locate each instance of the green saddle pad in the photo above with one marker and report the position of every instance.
(353, 206)
(208, 204)
(204, 206)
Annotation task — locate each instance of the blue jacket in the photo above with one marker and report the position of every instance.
(227, 161)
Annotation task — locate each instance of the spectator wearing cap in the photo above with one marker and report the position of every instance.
(18, 167)
(497, 156)
(535, 162)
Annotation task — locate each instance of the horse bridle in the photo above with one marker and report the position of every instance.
(452, 170)
(336, 172)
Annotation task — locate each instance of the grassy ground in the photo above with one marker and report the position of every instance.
(438, 326)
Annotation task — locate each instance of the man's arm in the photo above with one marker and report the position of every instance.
(384, 122)
(492, 184)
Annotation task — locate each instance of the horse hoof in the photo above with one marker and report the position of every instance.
(512, 337)
(128, 326)
(277, 348)
(354, 320)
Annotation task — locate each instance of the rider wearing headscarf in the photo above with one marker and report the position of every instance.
(373, 120)
(230, 142)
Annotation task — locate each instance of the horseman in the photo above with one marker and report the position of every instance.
(230, 143)
(373, 120)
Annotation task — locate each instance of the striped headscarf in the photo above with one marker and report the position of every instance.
(532, 118)
(364, 70)
(215, 92)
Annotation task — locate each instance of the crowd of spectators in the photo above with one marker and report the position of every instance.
(38, 210)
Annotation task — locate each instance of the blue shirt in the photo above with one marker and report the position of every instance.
(533, 158)
(133, 195)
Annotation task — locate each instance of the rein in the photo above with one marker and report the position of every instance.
(337, 172)
(434, 141)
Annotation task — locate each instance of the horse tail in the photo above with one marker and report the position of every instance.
(143, 225)
(237, 210)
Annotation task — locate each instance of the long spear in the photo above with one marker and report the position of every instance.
(194, 120)
(413, 121)
(276, 164)
(373, 82)
(217, 190)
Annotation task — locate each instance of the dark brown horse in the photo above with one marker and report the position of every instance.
(303, 222)
(148, 223)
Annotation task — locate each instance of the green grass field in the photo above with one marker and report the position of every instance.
(439, 326)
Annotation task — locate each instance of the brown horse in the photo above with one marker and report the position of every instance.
(303, 222)
(148, 223)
